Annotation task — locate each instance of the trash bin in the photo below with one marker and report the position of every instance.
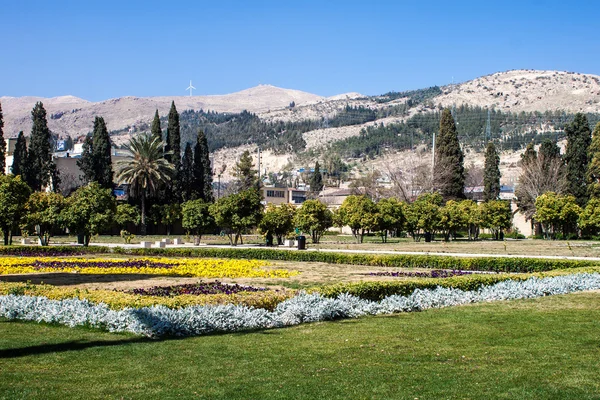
(301, 242)
(81, 238)
(269, 239)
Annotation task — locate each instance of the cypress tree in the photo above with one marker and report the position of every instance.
(174, 145)
(202, 169)
(576, 157)
(244, 172)
(549, 151)
(40, 165)
(491, 173)
(156, 130)
(449, 171)
(2, 144)
(19, 165)
(86, 162)
(187, 173)
(593, 171)
(102, 158)
(316, 180)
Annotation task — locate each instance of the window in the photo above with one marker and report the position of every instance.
(275, 193)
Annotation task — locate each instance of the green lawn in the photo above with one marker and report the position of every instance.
(547, 348)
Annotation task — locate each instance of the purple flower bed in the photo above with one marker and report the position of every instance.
(435, 273)
(199, 288)
(99, 264)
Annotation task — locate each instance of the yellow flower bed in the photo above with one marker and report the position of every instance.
(194, 267)
(119, 300)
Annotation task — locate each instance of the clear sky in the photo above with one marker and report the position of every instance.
(105, 49)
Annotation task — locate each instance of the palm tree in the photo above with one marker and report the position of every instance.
(145, 170)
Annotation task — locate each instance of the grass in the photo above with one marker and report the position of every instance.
(529, 349)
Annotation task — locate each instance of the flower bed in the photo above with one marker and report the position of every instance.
(196, 320)
(197, 267)
(435, 273)
(199, 288)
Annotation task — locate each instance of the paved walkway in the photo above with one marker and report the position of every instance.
(354, 251)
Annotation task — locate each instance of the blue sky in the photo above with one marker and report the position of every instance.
(105, 49)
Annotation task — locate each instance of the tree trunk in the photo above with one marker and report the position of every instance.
(6, 233)
(143, 220)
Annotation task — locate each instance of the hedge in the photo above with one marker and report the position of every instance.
(491, 264)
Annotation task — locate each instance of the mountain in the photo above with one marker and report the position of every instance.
(72, 116)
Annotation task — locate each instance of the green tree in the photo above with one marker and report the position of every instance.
(156, 130)
(174, 146)
(237, 213)
(187, 174)
(145, 170)
(496, 215)
(89, 211)
(316, 180)
(449, 171)
(19, 165)
(96, 162)
(491, 175)
(166, 214)
(202, 171)
(127, 214)
(424, 213)
(390, 217)
(314, 217)
(452, 219)
(2, 144)
(557, 213)
(196, 218)
(244, 172)
(589, 219)
(359, 213)
(577, 157)
(14, 194)
(278, 221)
(43, 214)
(41, 168)
(471, 211)
(593, 172)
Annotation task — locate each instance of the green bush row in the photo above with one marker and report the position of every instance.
(491, 264)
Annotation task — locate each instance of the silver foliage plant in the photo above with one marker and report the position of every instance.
(159, 321)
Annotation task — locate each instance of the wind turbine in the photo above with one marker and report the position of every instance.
(190, 88)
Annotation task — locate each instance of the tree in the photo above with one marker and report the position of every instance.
(127, 214)
(244, 172)
(96, 162)
(491, 177)
(2, 145)
(496, 215)
(314, 217)
(202, 171)
(556, 212)
(589, 219)
(187, 174)
(237, 213)
(278, 221)
(593, 172)
(390, 217)
(424, 214)
(577, 158)
(40, 165)
(166, 214)
(174, 145)
(471, 211)
(43, 214)
(452, 219)
(316, 180)
(89, 211)
(156, 130)
(196, 218)
(19, 165)
(359, 213)
(449, 172)
(145, 170)
(14, 194)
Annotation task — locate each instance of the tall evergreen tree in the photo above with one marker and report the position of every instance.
(187, 174)
(2, 144)
(202, 169)
(244, 173)
(156, 130)
(491, 173)
(593, 171)
(577, 158)
(41, 168)
(174, 141)
(95, 161)
(316, 180)
(19, 165)
(449, 171)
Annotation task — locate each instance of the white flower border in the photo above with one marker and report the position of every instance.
(159, 321)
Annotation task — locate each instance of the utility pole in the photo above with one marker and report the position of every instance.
(433, 161)
(258, 183)
(488, 128)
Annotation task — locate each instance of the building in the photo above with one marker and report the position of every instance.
(278, 195)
